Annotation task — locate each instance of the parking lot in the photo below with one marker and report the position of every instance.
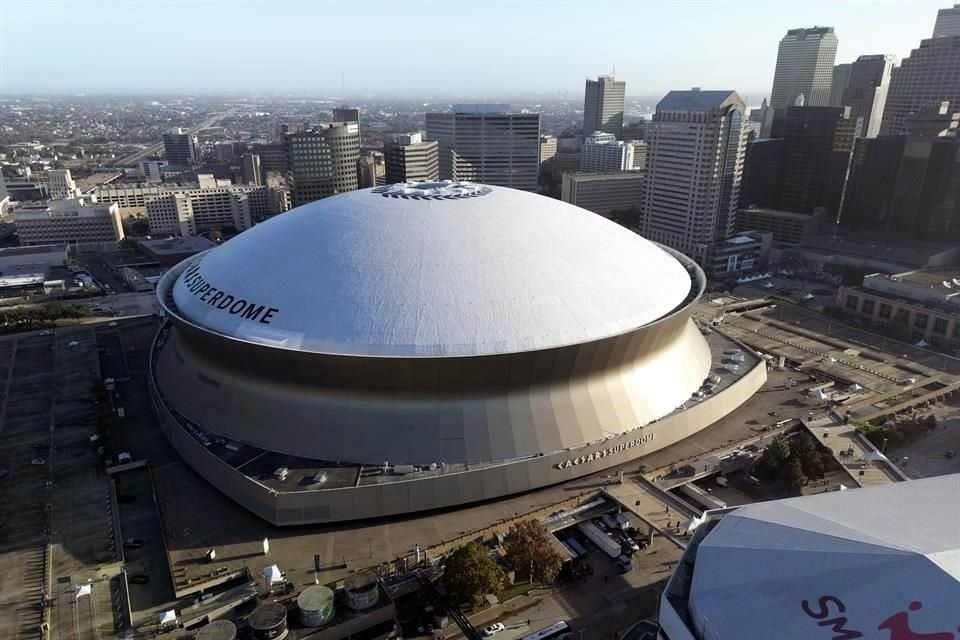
(57, 513)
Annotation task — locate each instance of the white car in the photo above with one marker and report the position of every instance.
(112, 324)
(491, 629)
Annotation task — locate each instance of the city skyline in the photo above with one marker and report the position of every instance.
(300, 55)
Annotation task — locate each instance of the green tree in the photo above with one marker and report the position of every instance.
(527, 546)
(793, 476)
(774, 457)
(470, 573)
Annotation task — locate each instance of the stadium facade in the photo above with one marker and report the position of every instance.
(423, 346)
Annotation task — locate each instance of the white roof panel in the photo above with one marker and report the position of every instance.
(461, 270)
(863, 555)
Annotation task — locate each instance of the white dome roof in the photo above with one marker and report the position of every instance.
(456, 271)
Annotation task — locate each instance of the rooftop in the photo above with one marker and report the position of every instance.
(697, 100)
(175, 246)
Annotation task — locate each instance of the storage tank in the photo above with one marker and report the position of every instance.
(361, 589)
(218, 630)
(269, 621)
(316, 606)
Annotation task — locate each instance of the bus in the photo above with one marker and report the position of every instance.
(558, 631)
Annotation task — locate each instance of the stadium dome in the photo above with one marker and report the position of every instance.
(432, 270)
(426, 345)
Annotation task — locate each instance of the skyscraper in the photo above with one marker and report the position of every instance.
(322, 160)
(548, 153)
(61, 185)
(603, 101)
(817, 143)
(929, 76)
(251, 169)
(906, 184)
(371, 171)
(602, 152)
(948, 22)
(841, 78)
(180, 148)
(694, 167)
(866, 91)
(487, 143)
(804, 65)
(409, 158)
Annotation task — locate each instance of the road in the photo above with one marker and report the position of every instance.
(132, 159)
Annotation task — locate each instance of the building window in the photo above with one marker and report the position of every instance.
(867, 307)
(940, 325)
(920, 320)
(852, 302)
(885, 310)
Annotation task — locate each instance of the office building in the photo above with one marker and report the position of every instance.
(67, 222)
(180, 148)
(430, 346)
(763, 117)
(804, 66)
(251, 169)
(841, 79)
(866, 91)
(227, 152)
(322, 160)
(603, 101)
(694, 168)
(273, 159)
(487, 143)
(816, 147)
(548, 153)
(187, 213)
(410, 158)
(948, 23)
(132, 199)
(914, 306)
(603, 193)
(370, 170)
(744, 253)
(908, 185)
(151, 170)
(61, 185)
(602, 152)
(346, 114)
(837, 565)
(639, 154)
(787, 227)
(928, 76)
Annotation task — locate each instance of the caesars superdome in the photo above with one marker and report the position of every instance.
(427, 345)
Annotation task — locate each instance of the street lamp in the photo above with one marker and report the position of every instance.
(883, 448)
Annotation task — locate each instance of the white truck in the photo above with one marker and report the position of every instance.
(607, 544)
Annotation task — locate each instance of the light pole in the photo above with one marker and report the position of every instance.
(883, 448)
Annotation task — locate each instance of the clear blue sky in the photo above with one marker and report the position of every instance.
(481, 48)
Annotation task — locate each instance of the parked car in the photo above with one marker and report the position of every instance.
(492, 629)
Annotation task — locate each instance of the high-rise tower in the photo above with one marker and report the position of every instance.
(694, 167)
(322, 160)
(487, 143)
(804, 65)
(603, 101)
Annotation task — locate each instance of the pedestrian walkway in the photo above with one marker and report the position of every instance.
(850, 451)
(660, 511)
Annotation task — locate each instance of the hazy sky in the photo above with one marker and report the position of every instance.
(480, 47)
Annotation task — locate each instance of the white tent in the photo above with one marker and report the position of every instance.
(819, 395)
(873, 551)
(273, 574)
(855, 387)
(874, 456)
(168, 617)
(83, 590)
(922, 343)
